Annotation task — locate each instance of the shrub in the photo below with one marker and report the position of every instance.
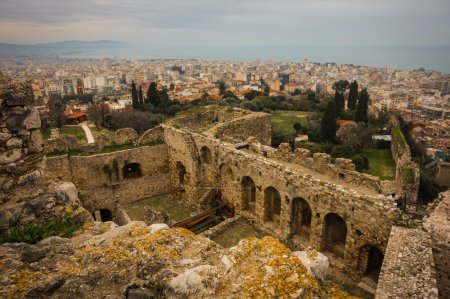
(33, 233)
(342, 151)
(361, 162)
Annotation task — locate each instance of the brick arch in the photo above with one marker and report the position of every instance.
(301, 218)
(248, 194)
(272, 205)
(334, 234)
(181, 172)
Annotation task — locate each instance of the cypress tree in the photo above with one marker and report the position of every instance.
(152, 94)
(140, 96)
(352, 95)
(362, 107)
(339, 102)
(134, 96)
(328, 125)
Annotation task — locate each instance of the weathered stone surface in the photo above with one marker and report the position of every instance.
(14, 142)
(10, 156)
(125, 135)
(136, 260)
(36, 143)
(315, 262)
(32, 120)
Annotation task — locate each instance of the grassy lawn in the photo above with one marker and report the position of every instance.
(95, 132)
(285, 120)
(381, 163)
(46, 133)
(76, 131)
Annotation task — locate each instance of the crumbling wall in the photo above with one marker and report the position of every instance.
(407, 174)
(101, 179)
(408, 268)
(21, 144)
(438, 225)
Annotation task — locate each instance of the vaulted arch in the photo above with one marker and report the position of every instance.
(272, 205)
(248, 194)
(370, 260)
(206, 155)
(301, 220)
(335, 234)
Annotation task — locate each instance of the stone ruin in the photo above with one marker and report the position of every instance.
(303, 200)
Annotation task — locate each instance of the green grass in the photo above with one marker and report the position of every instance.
(105, 150)
(381, 163)
(46, 133)
(76, 131)
(284, 120)
(398, 135)
(33, 233)
(95, 132)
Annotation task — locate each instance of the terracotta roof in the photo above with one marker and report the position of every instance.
(76, 115)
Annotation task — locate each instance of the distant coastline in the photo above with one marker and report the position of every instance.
(402, 57)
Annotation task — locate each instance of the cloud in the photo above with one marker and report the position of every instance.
(240, 22)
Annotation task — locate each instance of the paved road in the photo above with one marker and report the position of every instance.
(87, 131)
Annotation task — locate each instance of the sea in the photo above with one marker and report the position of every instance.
(406, 57)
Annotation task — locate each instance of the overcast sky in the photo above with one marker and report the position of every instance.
(229, 22)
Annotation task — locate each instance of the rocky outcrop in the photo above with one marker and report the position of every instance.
(127, 261)
(126, 135)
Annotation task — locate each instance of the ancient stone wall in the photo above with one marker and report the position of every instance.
(105, 180)
(21, 144)
(438, 225)
(407, 174)
(278, 188)
(408, 268)
(257, 125)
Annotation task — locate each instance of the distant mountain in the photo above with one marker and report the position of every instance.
(57, 48)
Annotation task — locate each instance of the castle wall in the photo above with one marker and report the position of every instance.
(102, 180)
(368, 218)
(408, 268)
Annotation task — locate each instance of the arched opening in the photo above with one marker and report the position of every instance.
(335, 233)
(272, 205)
(132, 170)
(206, 155)
(301, 220)
(370, 261)
(181, 172)
(248, 194)
(226, 187)
(102, 215)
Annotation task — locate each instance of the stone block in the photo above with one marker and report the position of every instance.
(126, 135)
(10, 156)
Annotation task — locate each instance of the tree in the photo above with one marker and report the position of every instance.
(352, 95)
(97, 114)
(57, 106)
(328, 124)
(266, 89)
(351, 134)
(172, 86)
(252, 94)
(222, 87)
(152, 94)
(138, 120)
(140, 96)
(134, 96)
(362, 107)
(297, 127)
(339, 103)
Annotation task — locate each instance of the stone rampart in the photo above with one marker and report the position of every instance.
(438, 225)
(408, 268)
(114, 178)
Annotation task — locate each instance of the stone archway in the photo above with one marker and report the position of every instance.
(335, 234)
(226, 186)
(131, 170)
(248, 194)
(370, 260)
(205, 154)
(301, 221)
(181, 171)
(272, 205)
